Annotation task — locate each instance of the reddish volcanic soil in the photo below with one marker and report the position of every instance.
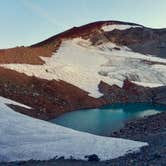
(84, 31)
(27, 55)
(47, 98)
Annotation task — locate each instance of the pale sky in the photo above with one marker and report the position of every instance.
(24, 22)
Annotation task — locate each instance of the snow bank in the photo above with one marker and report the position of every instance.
(83, 65)
(108, 28)
(25, 138)
(146, 84)
(8, 101)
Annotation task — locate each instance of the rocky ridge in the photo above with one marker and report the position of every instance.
(51, 98)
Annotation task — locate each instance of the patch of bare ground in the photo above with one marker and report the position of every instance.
(27, 55)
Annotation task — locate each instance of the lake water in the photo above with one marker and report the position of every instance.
(109, 118)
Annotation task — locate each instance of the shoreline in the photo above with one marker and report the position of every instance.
(136, 129)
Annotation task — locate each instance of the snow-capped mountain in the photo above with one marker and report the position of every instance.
(85, 67)
(88, 66)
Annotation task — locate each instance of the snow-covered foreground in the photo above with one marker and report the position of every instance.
(83, 65)
(25, 138)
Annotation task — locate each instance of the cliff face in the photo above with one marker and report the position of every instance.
(141, 40)
(86, 67)
(129, 93)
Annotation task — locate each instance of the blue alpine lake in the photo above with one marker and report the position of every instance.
(104, 120)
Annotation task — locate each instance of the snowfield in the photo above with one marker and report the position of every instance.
(83, 65)
(25, 138)
(108, 28)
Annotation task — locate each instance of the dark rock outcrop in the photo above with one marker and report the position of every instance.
(141, 39)
(92, 157)
(129, 93)
(159, 95)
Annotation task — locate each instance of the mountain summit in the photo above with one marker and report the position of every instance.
(89, 66)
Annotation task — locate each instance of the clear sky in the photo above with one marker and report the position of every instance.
(24, 22)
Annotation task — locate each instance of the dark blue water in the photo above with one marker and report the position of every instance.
(104, 120)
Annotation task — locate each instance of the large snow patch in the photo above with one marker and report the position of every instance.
(83, 65)
(108, 28)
